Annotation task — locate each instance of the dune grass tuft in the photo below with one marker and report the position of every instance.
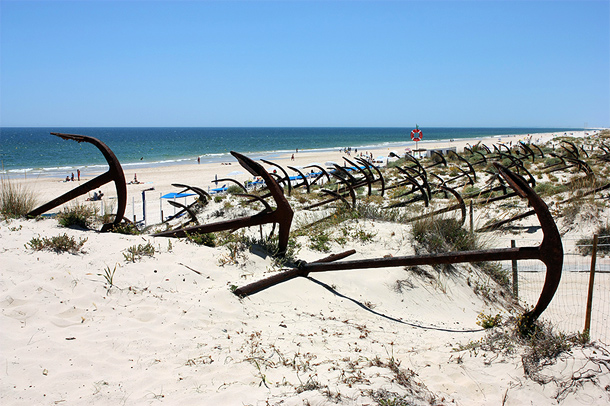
(15, 199)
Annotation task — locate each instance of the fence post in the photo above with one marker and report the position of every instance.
(591, 283)
(471, 219)
(515, 272)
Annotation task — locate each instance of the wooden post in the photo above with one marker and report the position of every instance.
(515, 272)
(471, 219)
(591, 283)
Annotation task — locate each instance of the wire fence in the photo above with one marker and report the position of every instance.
(567, 310)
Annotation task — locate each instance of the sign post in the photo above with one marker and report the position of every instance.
(417, 135)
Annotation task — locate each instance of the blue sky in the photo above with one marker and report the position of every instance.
(305, 64)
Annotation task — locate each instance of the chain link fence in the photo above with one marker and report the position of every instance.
(567, 311)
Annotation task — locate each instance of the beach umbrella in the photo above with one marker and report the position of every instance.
(176, 195)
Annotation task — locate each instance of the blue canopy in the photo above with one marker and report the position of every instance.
(176, 195)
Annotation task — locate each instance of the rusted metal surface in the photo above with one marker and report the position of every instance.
(539, 150)
(572, 151)
(238, 183)
(470, 168)
(498, 224)
(571, 163)
(282, 214)
(323, 173)
(550, 252)
(415, 186)
(285, 179)
(460, 205)
(412, 179)
(443, 161)
(204, 197)
(114, 174)
(303, 177)
(187, 209)
(371, 169)
(366, 179)
(528, 151)
(285, 276)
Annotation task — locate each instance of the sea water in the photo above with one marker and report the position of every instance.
(34, 151)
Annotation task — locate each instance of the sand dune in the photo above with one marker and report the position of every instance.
(170, 331)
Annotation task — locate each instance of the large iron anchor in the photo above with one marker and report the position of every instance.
(114, 173)
(550, 252)
(282, 214)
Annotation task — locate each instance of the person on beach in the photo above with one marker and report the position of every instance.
(67, 179)
(78, 174)
(198, 159)
(72, 179)
(292, 157)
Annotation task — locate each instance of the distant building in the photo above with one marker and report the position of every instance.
(443, 151)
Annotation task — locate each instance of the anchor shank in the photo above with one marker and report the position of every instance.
(74, 193)
(500, 254)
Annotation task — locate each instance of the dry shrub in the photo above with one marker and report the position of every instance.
(16, 200)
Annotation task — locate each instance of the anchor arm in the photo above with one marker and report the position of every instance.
(114, 173)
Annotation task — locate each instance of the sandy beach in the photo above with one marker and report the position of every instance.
(202, 175)
(169, 330)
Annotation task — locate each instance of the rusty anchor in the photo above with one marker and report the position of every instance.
(323, 173)
(460, 205)
(498, 224)
(372, 168)
(303, 177)
(282, 214)
(415, 186)
(550, 252)
(114, 174)
(203, 200)
(336, 195)
(238, 183)
(285, 179)
(470, 168)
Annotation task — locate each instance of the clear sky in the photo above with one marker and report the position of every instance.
(305, 63)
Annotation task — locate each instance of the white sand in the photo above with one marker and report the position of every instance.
(171, 332)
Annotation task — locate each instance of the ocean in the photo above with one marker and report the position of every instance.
(33, 151)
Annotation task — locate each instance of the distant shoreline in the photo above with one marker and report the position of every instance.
(60, 171)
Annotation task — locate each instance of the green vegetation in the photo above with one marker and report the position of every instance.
(585, 245)
(436, 235)
(108, 276)
(488, 321)
(128, 228)
(136, 252)
(15, 199)
(58, 244)
(320, 241)
(207, 239)
(78, 215)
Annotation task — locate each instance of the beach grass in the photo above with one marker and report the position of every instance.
(79, 215)
(16, 200)
(60, 243)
